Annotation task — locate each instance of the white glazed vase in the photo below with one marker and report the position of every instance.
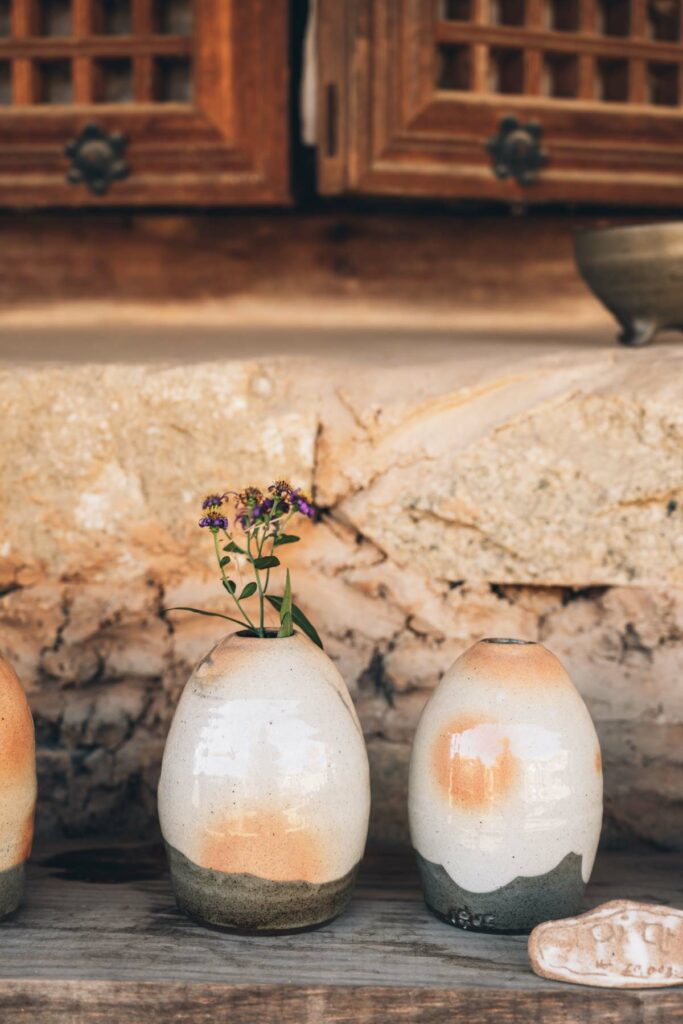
(505, 794)
(264, 794)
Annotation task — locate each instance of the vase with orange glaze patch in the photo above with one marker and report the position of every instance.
(264, 794)
(17, 787)
(505, 794)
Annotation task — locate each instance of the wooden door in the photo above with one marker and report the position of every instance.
(143, 101)
(416, 97)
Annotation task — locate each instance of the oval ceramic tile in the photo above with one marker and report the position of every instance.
(505, 795)
(17, 787)
(621, 944)
(264, 791)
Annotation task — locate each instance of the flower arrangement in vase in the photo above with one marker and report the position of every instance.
(263, 519)
(264, 793)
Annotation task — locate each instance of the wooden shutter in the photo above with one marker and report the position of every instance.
(412, 90)
(194, 95)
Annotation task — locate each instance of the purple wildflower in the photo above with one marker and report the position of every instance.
(255, 507)
(214, 518)
(251, 514)
(214, 522)
(303, 504)
(262, 508)
(213, 501)
(305, 507)
(249, 502)
(250, 495)
(292, 498)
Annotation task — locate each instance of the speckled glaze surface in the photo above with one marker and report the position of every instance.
(17, 787)
(264, 794)
(505, 793)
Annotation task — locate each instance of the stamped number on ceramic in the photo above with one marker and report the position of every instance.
(464, 918)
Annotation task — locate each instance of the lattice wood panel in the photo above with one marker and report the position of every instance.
(88, 51)
(197, 90)
(424, 83)
(601, 51)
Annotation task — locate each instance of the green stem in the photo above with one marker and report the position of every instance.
(280, 524)
(272, 549)
(247, 620)
(259, 586)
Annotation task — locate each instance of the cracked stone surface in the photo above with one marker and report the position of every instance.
(469, 490)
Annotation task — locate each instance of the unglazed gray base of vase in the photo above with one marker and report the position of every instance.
(514, 908)
(247, 903)
(11, 889)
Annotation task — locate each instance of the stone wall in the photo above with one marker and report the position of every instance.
(472, 487)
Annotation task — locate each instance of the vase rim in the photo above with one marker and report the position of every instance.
(271, 634)
(508, 640)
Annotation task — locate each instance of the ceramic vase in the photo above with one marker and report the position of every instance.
(264, 794)
(17, 787)
(505, 794)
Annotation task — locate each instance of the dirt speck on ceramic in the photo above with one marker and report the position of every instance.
(621, 944)
(17, 787)
(505, 794)
(264, 795)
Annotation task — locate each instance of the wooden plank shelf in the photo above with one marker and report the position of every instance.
(99, 940)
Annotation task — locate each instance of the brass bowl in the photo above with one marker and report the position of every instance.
(637, 273)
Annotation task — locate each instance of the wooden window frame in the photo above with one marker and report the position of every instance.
(228, 145)
(386, 129)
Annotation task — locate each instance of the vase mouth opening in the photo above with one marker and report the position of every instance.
(508, 640)
(270, 634)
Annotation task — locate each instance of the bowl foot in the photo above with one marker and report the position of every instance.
(636, 333)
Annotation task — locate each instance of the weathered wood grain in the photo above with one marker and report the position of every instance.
(99, 940)
(178, 1003)
(435, 261)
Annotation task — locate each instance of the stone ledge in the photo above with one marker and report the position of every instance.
(481, 458)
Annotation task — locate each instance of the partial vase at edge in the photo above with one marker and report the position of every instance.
(17, 787)
(264, 795)
(505, 794)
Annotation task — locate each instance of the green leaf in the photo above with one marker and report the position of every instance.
(248, 591)
(225, 561)
(286, 625)
(200, 611)
(266, 562)
(285, 538)
(230, 586)
(299, 618)
(234, 547)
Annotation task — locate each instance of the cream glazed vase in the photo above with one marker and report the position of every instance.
(17, 787)
(264, 794)
(505, 794)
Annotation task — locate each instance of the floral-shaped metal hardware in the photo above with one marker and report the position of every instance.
(96, 159)
(516, 151)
